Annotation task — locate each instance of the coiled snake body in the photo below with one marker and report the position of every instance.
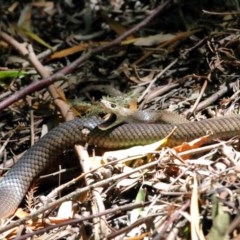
(15, 184)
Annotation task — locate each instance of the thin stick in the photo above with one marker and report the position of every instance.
(68, 69)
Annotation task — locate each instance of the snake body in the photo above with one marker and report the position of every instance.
(15, 184)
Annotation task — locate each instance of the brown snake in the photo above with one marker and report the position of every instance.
(15, 184)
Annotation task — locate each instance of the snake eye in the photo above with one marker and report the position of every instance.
(113, 105)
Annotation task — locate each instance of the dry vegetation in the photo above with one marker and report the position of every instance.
(181, 56)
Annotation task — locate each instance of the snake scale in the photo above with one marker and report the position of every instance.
(15, 184)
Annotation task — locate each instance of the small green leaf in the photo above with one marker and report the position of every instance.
(221, 221)
(135, 213)
(11, 74)
(6, 76)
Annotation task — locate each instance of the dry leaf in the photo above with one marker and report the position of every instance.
(191, 145)
(154, 39)
(65, 211)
